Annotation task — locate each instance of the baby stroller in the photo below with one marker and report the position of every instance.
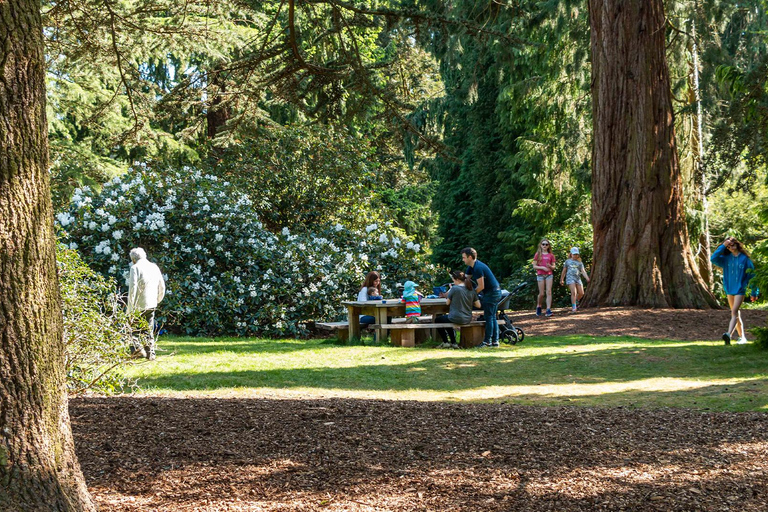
(508, 333)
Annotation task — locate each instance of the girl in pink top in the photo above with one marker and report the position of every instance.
(544, 264)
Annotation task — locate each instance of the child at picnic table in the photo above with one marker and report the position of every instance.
(571, 270)
(411, 297)
(374, 294)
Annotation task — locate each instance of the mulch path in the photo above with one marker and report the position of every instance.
(212, 454)
(673, 324)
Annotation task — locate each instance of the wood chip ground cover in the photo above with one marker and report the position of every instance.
(259, 454)
(215, 454)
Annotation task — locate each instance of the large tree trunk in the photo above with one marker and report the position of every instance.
(218, 112)
(38, 466)
(641, 251)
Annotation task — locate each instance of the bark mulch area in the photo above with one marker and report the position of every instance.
(668, 324)
(212, 454)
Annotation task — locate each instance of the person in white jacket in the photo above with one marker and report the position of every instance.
(146, 288)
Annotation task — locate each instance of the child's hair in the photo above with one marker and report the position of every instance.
(537, 256)
(740, 247)
(370, 279)
(461, 276)
(372, 291)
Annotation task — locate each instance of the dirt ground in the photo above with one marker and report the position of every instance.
(142, 454)
(674, 324)
(210, 454)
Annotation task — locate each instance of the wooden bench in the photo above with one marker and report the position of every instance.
(341, 328)
(404, 335)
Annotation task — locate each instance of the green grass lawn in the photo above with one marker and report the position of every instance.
(575, 370)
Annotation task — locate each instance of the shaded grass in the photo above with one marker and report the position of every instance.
(583, 370)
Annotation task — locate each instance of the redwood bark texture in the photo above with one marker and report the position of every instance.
(38, 466)
(642, 254)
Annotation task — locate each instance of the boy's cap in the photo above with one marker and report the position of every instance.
(409, 284)
(574, 250)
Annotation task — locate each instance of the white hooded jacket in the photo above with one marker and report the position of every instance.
(146, 286)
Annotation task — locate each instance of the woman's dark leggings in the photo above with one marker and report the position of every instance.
(445, 332)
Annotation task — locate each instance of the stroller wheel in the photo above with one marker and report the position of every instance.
(520, 334)
(510, 336)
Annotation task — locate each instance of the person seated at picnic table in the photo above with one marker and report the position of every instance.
(373, 293)
(372, 280)
(412, 298)
(461, 298)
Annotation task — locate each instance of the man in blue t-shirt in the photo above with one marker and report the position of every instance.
(491, 294)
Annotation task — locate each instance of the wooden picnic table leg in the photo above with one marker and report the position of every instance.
(433, 332)
(381, 318)
(353, 320)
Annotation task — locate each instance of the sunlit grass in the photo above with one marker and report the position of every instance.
(576, 370)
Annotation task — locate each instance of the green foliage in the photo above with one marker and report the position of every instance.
(127, 81)
(734, 56)
(97, 333)
(518, 123)
(226, 273)
(301, 177)
(761, 337)
(411, 208)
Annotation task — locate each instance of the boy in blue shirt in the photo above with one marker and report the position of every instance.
(491, 294)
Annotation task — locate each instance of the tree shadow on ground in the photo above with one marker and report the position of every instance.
(221, 454)
(751, 395)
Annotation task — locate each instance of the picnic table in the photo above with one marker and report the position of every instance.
(381, 310)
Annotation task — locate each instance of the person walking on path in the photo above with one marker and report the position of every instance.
(488, 286)
(573, 268)
(461, 298)
(146, 288)
(737, 271)
(544, 265)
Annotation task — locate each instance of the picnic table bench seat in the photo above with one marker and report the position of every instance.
(341, 328)
(404, 335)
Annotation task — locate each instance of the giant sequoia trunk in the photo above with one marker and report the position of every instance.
(641, 251)
(38, 467)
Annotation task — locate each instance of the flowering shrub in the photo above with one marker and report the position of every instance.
(226, 273)
(97, 332)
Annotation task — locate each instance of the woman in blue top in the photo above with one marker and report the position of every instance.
(737, 271)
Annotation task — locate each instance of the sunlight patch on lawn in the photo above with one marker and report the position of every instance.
(485, 393)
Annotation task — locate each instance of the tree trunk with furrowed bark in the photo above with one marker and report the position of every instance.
(38, 466)
(642, 254)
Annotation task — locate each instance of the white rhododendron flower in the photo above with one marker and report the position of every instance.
(64, 219)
